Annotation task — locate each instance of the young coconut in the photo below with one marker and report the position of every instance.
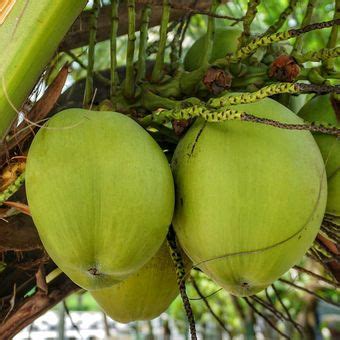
(249, 197)
(101, 194)
(323, 109)
(225, 41)
(145, 294)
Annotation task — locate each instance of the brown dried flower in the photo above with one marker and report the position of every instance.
(284, 68)
(217, 80)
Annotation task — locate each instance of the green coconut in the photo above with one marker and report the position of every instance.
(225, 41)
(249, 197)
(145, 294)
(320, 109)
(101, 194)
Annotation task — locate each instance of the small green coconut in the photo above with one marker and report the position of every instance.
(101, 194)
(225, 41)
(320, 109)
(250, 197)
(145, 294)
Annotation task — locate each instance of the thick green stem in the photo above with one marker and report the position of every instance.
(29, 36)
(157, 71)
(280, 36)
(333, 38)
(88, 97)
(129, 86)
(190, 81)
(258, 79)
(113, 45)
(315, 77)
(282, 18)
(306, 21)
(305, 74)
(152, 101)
(209, 37)
(247, 20)
(143, 40)
(12, 189)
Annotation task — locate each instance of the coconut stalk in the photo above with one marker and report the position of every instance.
(29, 35)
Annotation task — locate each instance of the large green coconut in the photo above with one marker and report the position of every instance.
(249, 197)
(320, 109)
(101, 194)
(225, 41)
(145, 294)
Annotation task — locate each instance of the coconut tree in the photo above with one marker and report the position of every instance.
(220, 82)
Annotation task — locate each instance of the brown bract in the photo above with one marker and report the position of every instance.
(217, 80)
(284, 68)
(11, 173)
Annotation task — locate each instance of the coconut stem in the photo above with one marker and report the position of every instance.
(309, 292)
(157, 71)
(209, 38)
(12, 189)
(141, 65)
(175, 47)
(184, 31)
(322, 248)
(219, 109)
(316, 276)
(330, 232)
(265, 318)
(270, 307)
(206, 302)
(306, 21)
(270, 90)
(180, 271)
(88, 97)
(313, 127)
(113, 48)
(247, 50)
(333, 37)
(289, 316)
(247, 20)
(318, 257)
(321, 55)
(282, 18)
(129, 79)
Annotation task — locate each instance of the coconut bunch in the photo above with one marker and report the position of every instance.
(250, 199)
